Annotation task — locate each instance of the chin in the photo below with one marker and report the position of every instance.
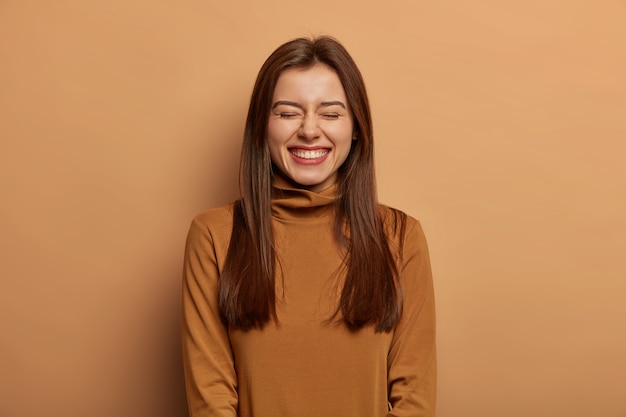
(308, 181)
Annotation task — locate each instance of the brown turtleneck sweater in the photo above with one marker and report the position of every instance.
(304, 367)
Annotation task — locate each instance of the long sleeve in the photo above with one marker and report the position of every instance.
(412, 373)
(210, 376)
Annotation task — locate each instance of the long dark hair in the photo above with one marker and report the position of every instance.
(371, 291)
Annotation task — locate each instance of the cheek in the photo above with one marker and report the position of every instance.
(278, 131)
(342, 136)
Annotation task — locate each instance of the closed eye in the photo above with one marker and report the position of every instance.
(284, 115)
(330, 116)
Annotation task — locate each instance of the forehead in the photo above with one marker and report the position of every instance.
(316, 82)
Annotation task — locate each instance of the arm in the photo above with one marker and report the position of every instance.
(412, 370)
(210, 376)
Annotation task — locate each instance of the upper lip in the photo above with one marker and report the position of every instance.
(308, 148)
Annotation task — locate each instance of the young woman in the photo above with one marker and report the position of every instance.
(306, 297)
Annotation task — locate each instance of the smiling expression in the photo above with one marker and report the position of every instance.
(310, 128)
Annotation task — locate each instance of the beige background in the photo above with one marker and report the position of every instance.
(501, 125)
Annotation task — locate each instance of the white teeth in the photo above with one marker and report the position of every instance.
(318, 153)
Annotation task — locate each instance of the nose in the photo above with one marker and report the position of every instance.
(309, 129)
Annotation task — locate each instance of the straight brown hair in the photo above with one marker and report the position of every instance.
(371, 293)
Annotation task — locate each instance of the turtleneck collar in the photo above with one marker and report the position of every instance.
(292, 203)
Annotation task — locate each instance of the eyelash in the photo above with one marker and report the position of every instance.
(328, 116)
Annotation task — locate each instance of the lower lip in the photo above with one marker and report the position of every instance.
(314, 161)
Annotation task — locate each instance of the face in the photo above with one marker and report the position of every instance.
(310, 128)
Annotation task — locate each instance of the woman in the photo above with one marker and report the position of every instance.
(306, 297)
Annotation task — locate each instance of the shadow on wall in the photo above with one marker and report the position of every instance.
(214, 182)
(173, 385)
(163, 362)
(174, 382)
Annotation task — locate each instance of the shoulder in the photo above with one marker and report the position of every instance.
(214, 225)
(402, 229)
(397, 221)
(216, 217)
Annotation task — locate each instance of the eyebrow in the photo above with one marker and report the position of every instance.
(298, 105)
